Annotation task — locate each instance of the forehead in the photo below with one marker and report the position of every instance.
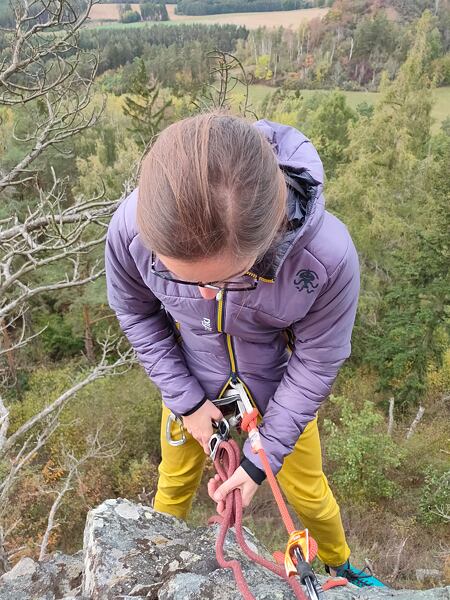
(218, 268)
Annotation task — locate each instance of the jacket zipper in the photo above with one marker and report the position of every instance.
(220, 321)
(234, 378)
(263, 279)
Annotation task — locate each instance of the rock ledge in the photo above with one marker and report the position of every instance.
(132, 552)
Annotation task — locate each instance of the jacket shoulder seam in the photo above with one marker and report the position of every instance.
(343, 259)
(121, 228)
(131, 241)
(344, 256)
(296, 148)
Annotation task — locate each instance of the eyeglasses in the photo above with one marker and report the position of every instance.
(230, 286)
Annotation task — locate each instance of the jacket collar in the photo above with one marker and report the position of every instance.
(304, 216)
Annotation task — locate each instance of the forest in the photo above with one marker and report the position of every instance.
(204, 7)
(348, 49)
(79, 107)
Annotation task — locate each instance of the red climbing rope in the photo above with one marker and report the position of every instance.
(226, 462)
(249, 424)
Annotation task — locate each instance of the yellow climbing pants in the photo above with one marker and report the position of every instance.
(301, 478)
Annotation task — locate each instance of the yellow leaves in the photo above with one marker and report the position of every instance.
(54, 538)
(52, 472)
(287, 118)
(6, 127)
(262, 69)
(438, 378)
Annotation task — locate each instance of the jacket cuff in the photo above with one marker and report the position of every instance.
(252, 470)
(196, 407)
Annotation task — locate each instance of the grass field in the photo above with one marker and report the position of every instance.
(107, 12)
(251, 20)
(441, 108)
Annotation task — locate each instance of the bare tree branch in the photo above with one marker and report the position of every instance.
(226, 73)
(391, 416)
(396, 568)
(55, 243)
(46, 236)
(44, 67)
(30, 61)
(96, 450)
(65, 117)
(416, 421)
(443, 512)
(104, 367)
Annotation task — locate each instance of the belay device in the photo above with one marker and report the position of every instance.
(238, 412)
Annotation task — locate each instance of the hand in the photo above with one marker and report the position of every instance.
(240, 479)
(199, 423)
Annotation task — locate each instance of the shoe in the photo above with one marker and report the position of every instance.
(360, 578)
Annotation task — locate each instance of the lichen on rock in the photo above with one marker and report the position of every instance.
(131, 551)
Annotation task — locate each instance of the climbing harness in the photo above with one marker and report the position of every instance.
(294, 565)
(301, 547)
(230, 405)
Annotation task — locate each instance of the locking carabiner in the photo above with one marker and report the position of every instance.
(223, 433)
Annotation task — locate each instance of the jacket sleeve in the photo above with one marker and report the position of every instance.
(322, 343)
(145, 323)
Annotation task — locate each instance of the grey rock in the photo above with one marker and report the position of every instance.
(430, 576)
(132, 552)
(57, 576)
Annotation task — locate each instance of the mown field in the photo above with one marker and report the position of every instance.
(251, 20)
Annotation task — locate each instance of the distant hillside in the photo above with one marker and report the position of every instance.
(412, 9)
(397, 9)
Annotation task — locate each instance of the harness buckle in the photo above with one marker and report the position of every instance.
(233, 405)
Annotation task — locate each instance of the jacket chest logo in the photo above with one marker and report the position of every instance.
(207, 324)
(305, 280)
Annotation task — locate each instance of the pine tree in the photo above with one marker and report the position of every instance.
(387, 195)
(144, 107)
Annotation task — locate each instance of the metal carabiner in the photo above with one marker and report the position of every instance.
(244, 403)
(222, 435)
(170, 419)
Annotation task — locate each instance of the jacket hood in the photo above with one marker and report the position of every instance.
(305, 205)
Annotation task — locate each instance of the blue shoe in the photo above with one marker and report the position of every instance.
(361, 578)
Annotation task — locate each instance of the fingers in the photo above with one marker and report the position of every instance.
(218, 491)
(205, 442)
(230, 484)
(213, 484)
(216, 415)
(202, 436)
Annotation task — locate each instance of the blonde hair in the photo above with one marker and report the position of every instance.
(210, 184)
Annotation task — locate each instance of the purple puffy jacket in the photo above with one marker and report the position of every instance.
(309, 290)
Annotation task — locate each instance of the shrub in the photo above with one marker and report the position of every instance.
(58, 339)
(130, 16)
(361, 454)
(435, 502)
(126, 409)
